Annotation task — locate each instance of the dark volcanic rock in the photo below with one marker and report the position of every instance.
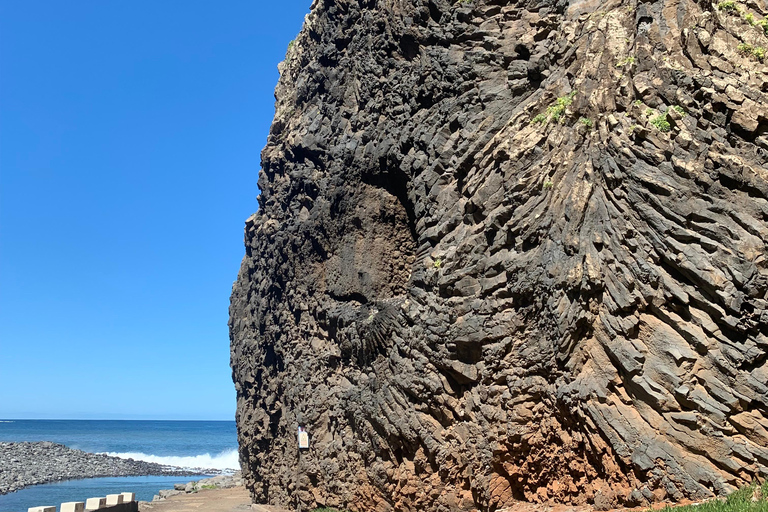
(467, 308)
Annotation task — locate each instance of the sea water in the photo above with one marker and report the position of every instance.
(210, 445)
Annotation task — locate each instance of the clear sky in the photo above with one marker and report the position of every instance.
(130, 134)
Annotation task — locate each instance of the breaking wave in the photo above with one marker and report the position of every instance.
(223, 461)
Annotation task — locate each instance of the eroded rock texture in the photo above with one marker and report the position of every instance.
(465, 308)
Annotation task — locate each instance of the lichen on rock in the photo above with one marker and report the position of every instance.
(466, 308)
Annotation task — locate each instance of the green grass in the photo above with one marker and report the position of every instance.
(548, 185)
(587, 122)
(539, 119)
(752, 498)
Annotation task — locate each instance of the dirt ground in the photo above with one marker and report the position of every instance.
(236, 499)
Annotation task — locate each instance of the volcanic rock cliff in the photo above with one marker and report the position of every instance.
(509, 250)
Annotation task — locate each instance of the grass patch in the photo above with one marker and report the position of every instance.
(587, 122)
(752, 498)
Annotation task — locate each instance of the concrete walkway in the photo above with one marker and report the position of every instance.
(236, 499)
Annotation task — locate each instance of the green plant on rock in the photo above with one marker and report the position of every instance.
(626, 62)
(680, 110)
(288, 50)
(661, 123)
(587, 122)
(756, 52)
(728, 6)
(557, 109)
(750, 18)
(547, 185)
(438, 263)
(764, 25)
(638, 103)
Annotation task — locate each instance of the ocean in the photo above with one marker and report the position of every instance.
(189, 444)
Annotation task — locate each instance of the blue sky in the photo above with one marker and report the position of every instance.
(130, 135)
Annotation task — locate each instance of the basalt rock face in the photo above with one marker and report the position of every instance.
(509, 251)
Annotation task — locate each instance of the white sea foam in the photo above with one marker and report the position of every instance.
(225, 460)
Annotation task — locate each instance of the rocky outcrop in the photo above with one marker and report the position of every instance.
(509, 251)
(216, 482)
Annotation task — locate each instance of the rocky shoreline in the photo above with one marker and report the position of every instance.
(26, 464)
(216, 482)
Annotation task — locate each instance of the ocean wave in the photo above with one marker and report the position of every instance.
(223, 461)
(6, 421)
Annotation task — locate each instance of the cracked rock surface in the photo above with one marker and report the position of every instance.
(509, 251)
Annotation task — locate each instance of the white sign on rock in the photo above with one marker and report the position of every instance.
(303, 439)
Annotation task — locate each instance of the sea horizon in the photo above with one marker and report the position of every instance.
(210, 444)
